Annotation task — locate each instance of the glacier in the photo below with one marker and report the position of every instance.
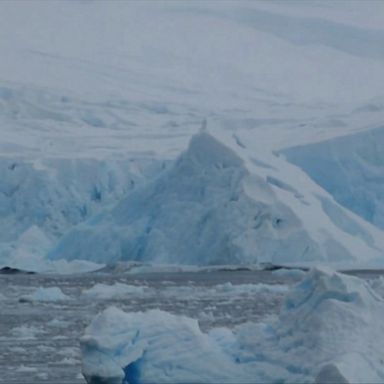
(214, 205)
(328, 328)
(84, 121)
(103, 168)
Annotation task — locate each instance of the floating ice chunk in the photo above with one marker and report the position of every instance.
(25, 369)
(18, 350)
(153, 347)
(26, 332)
(227, 289)
(331, 318)
(249, 289)
(68, 361)
(329, 328)
(117, 290)
(290, 273)
(46, 294)
(323, 287)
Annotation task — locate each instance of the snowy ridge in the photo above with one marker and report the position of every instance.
(216, 206)
(329, 328)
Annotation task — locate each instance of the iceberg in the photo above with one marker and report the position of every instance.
(117, 290)
(154, 346)
(41, 294)
(329, 328)
(214, 206)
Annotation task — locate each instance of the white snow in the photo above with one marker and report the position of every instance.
(59, 324)
(145, 50)
(203, 359)
(329, 327)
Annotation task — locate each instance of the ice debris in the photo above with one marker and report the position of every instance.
(42, 294)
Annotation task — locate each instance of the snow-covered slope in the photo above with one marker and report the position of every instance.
(92, 78)
(216, 206)
(202, 52)
(328, 331)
